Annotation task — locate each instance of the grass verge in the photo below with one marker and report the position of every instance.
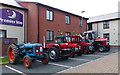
(4, 59)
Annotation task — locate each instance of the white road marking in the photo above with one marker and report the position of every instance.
(79, 59)
(15, 70)
(103, 53)
(58, 65)
(92, 55)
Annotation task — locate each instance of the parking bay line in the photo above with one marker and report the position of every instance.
(103, 53)
(15, 70)
(58, 65)
(92, 55)
(80, 59)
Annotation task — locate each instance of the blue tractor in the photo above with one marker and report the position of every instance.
(29, 52)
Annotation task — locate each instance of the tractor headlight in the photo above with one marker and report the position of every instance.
(37, 50)
(41, 49)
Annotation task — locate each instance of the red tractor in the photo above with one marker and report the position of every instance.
(71, 45)
(59, 50)
(86, 47)
(100, 44)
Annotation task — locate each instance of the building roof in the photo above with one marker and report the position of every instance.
(12, 3)
(110, 16)
(37, 3)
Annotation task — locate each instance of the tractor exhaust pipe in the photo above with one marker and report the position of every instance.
(44, 41)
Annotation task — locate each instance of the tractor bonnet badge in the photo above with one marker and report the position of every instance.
(11, 17)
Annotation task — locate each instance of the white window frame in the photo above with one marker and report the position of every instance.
(49, 15)
(67, 19)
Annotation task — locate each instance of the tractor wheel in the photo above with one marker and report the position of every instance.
(53, 54)
(93, 51)
(101, 48)
(72, 52)
(79, 53)
(108, 48)
(45, 60)
(27, 61)
(86, 51)
(13, 54)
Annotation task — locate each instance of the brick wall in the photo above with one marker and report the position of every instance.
(58, 25)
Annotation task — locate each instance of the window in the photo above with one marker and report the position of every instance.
(2, 33)
(50, 35)
(106, 24)
(89, 26)
(49, 15)
(68, 33)
(81, 22)
(106, 36)
(67, 19)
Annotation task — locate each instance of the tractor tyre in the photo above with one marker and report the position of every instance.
(86, 50)
(72, 52)
(45, 60)
(79, 53)
(108, 48)
(53, 54)
(93, 51)
(101, 48)
(13, 54)
(27, 61)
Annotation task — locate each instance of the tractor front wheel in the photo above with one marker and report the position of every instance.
(45, 60)
(27, 61)
(53, 54)
(101, 48)
(13, 54)
(79, 53)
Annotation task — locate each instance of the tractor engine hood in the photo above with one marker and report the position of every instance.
(100, 39)
(86, 44)
(30, 45)
(73, 45)
(63, 45)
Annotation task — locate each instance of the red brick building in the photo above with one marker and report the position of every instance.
(47, 21)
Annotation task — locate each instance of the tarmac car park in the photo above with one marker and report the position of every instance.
(55, 67)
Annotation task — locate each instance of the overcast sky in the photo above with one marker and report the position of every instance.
(91, 7)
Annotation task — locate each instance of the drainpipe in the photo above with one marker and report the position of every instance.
(97, 29)
(38, 35)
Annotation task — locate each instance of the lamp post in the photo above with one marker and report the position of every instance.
(81, 23)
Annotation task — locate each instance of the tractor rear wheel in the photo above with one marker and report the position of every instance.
(79, 53)
(53, 54)
(101, 48)
(27, 61)
(45, 60)
(13, 54)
